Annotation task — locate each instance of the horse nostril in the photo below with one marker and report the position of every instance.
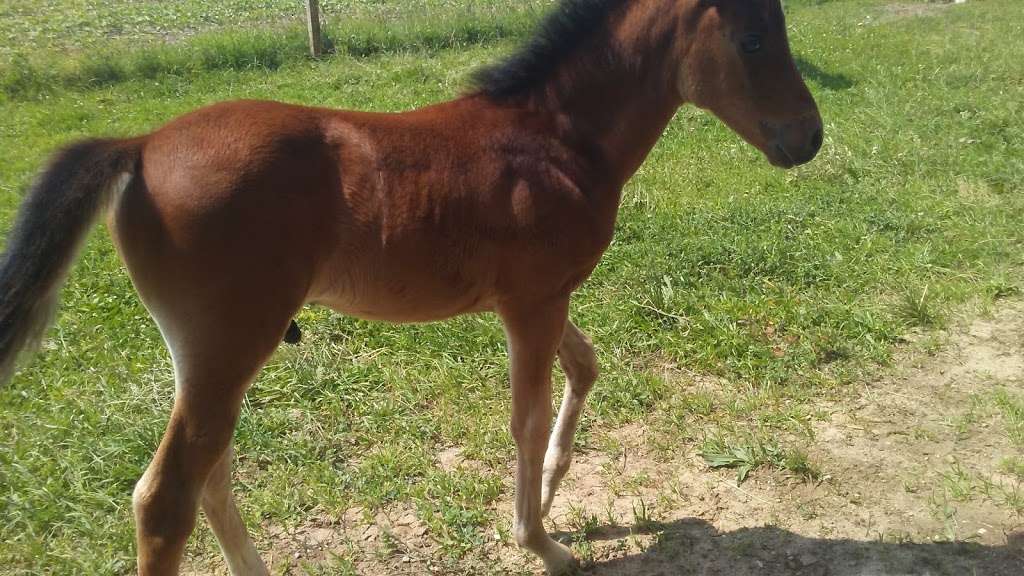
(817, 139)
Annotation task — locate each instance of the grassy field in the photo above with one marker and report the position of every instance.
(788, 287)
(75, 25)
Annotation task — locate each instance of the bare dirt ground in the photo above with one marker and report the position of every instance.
(905, 457)
(912, 486)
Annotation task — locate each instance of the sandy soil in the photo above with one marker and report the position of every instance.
(885, 507)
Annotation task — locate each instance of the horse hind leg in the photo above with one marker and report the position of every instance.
(166, 498)
(191, 467)
(221, 512)
(222, 262)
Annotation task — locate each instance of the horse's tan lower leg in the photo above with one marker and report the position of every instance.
(221, 512)
(576, 355)
(166, 499)
(533, 336)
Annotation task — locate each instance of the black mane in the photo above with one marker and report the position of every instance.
(568, 26)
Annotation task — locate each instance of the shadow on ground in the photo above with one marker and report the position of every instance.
(694, 547)
(824, 78)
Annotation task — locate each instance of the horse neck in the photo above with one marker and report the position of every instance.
(617, 104)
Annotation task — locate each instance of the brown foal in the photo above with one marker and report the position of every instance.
(232, 217)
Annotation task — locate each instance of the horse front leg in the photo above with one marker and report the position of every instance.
(534, 333)
(579, 362)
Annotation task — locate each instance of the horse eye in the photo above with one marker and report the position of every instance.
(751, 43)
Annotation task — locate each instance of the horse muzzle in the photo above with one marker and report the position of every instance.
(795, 142)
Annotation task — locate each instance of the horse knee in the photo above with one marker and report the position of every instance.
(529, 434)
(579, 361)
(586, 371)
(557, 461)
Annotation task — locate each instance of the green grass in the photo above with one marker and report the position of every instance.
(1013, 466)
(748, 453)
(778, 287)
(1012, 408)
(958, 485)
(41, 74)
(80, 25)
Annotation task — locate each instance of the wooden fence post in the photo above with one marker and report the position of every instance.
(313, 15)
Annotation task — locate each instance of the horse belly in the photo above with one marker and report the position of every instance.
(402, 289)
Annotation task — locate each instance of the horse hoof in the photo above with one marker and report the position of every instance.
(561, 562)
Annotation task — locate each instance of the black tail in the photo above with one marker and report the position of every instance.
(54, 218)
